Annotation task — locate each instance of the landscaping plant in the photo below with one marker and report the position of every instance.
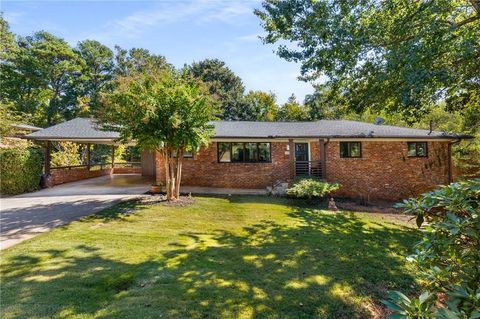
(448, 256)
(20, 169)
(164, 110)
(311, 188)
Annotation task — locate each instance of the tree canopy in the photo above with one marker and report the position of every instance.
(163, 110)
(395, 55)
(260, 106)
(98, 71)
(292, 110)
(225, 85)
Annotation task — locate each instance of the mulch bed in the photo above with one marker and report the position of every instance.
(154, 199)
(381, 208)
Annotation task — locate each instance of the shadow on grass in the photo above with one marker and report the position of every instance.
(326, 266)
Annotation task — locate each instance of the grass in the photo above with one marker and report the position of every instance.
(235, 257)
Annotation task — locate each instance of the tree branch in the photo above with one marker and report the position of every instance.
(476, 5)
(464, 22)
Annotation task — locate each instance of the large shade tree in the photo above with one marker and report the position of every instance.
(403, 56)
(38, 74)
(163, 110)
(98, 71)
(260, 106)
(292, 110)
(225, 85)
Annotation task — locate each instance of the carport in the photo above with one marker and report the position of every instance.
(86, 131)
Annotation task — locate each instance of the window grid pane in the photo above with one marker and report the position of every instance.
(244, 152)
(250, 152)
(238, 152)
(417, 149)
(224, 152)
(264, 152)
(350, 149)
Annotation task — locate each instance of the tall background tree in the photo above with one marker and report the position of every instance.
(225, 85)
(163, 110)
(98, 73)
(326, 103)
(128, 62)
(53, 65)
(260, 106)
(292, 110)
(403, 56)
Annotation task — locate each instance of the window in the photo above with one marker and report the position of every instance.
(417, 149)
(185, 154)
(350, 149)
(243, 152)
(224, 152)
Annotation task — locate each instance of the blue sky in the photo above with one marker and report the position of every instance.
(183, 31)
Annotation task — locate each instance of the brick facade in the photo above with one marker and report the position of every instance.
(205, 170)
(67, 175)
(383, 172)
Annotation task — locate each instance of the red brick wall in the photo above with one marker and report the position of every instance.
(128, 170)
(385, 172)
(60, 176)
(205, 170)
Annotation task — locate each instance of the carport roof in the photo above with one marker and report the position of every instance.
(77, 130)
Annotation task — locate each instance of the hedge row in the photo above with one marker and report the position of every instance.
(21, 169)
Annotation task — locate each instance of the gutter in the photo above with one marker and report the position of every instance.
(423, 137)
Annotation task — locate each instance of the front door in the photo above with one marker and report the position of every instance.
(301, 152)
(301, 159)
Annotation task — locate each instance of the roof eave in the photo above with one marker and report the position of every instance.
(443, 137)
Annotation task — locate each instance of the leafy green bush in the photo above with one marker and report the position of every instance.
(67, 154)
(20, 169)
(448, 257)
(311, 188)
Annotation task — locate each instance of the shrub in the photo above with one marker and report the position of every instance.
(311, 188)
(448, 257)
(68, 154)
(21, 169)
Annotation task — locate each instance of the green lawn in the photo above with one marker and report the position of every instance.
(235, 257)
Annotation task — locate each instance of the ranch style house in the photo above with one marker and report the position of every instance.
(370, 161)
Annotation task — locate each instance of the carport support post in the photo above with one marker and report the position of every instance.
(113, 157)
(45, 182)
(47, 158)
(88, 156)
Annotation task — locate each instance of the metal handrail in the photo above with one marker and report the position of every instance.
(81, 166)
(308, 169)
(98, 164)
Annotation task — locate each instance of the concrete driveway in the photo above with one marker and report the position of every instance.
(24, 216)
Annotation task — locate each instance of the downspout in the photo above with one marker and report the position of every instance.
(450, 174)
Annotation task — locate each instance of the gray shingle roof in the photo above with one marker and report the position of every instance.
(322, 128)
(76, 129)
(86, 129)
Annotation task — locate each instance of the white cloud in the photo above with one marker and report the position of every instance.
(13, 17)
(249, 37)
(163, 13)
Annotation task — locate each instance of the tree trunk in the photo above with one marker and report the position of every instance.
(173, 172)
(166, 156)
(179, 172)
(173, 176)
